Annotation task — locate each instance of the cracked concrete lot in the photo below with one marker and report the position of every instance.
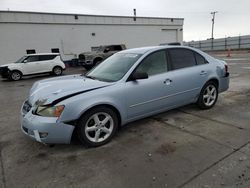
(185, 147)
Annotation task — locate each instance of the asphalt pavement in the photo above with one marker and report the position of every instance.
(186, 147)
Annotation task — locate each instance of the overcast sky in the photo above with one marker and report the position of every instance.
(232, 18)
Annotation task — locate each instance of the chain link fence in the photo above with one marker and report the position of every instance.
(232, 43)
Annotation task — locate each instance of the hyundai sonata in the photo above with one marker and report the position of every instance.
(129, 85)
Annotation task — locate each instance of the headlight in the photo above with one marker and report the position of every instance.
(49, 111)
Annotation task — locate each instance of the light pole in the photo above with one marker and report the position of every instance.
(212, 37)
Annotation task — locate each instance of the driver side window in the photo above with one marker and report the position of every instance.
(32, 58)
(153, 64)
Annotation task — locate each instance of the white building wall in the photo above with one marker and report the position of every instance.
(22, 31)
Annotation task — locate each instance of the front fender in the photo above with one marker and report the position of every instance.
(76, 106)
(16, 68)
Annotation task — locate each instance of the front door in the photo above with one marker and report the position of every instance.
(31, 65)
(147, 95)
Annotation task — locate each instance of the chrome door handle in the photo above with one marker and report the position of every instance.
(167, 81)
(203, 73)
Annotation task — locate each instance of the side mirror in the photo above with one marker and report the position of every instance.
(139, 76)
(25, 61)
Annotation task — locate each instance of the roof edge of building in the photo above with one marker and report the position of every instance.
(53, 13)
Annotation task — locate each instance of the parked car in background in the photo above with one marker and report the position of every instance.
(33, 64)
(129, 85)
(98, 54)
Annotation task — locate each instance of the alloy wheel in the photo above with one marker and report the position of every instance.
(209, 95)
(99, 127)
(16, 76)
(57, 71)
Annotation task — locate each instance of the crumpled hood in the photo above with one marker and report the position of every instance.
(48, 90)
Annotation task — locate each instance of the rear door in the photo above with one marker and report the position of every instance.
(46, 62)
(189, 72)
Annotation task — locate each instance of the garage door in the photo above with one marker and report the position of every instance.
(168, 35)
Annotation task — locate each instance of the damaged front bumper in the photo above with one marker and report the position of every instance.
(4, 72)
(46, 130)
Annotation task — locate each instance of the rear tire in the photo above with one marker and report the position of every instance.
(15, 75)
(57, 71)
(208, 95)
(97, 126)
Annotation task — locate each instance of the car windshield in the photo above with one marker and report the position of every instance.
(114, 68)
(21, 59)
(94, 48)
(100, 49)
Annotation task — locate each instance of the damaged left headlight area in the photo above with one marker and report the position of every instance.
(26, 107)
(40, 120)
(49, 111)
(4, 72)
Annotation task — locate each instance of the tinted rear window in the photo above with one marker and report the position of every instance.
(117, 48)
(199, 59)
(181, 58)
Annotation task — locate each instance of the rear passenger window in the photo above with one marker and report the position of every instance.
(46, 57)
(117, 48)
(199, 59)
(181, 58)
(111, 48)
(155, 63)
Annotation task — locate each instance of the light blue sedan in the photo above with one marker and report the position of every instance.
(128, 86)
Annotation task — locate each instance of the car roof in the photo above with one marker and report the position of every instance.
(143, 50)
(43, 54)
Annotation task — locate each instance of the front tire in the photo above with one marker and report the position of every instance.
(57, 71)
(97, 126)
(15, 75)
(208, 95)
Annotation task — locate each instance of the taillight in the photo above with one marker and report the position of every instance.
(226, 70)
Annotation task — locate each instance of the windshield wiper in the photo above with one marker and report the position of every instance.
(100, 79)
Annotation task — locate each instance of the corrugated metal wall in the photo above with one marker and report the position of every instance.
(233, 43)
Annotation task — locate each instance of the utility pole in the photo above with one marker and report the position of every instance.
(212, 37)
(134, 14)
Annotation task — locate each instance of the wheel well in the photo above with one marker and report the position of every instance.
(108, 106)
(15, 70)
(75, 122)
(215, 81)
(57, 66)
(97, 59)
